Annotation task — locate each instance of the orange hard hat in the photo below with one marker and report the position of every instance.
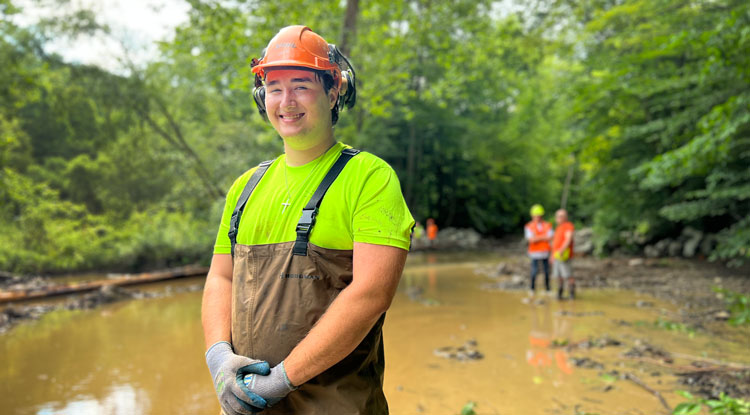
(298, 46)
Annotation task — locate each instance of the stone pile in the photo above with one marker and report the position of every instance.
(583, 241)
(450, 238)
(690, 243)
(456, 237)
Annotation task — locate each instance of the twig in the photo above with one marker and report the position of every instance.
(560, 404)
(656, 393)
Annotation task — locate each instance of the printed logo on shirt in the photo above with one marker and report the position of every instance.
(299, 276)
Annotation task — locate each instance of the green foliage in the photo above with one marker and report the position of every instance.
(101, 171)
(723, 406)
(733, 243)
(482, 114)
(47, 234)
(674, 326)
(738, 306)
(608, 377)
(468, 409)
(664, 111)
(663, 324)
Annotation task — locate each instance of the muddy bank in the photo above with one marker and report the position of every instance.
(10, 315)
(712, 383)
(9, 282)
(687, 283)
(99, 289)
(704, 377)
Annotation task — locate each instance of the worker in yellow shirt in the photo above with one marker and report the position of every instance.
(309, 252)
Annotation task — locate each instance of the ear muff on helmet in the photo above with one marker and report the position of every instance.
(348, 89)
(259, 91)
(259, 95)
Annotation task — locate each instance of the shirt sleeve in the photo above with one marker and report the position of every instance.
(381, 216)
(527, 233)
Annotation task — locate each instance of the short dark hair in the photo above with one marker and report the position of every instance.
(326, 79)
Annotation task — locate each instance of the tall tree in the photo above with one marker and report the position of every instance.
(349, 31)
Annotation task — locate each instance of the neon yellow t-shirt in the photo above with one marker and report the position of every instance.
(364, 204)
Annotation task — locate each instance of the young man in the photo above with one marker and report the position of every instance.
(538, 233)
(562, 248)
(293, 309)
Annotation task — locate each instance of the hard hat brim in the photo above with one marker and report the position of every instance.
(259, 69)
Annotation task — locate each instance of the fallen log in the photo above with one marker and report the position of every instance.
(73, 288)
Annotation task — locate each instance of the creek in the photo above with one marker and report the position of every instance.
(146, 356)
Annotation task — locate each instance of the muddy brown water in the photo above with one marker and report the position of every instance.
(146, 356)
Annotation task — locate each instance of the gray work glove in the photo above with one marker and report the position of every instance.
(273, 387)
(228, 371)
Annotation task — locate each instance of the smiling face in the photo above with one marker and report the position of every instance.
(299, 107)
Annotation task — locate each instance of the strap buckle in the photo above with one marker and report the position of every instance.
(306, 221)
(304, 226)
(233, 225)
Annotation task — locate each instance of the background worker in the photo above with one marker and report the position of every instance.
(538, 233)
(432, 231)
(562, 248)
(417, 235)
(302, 273)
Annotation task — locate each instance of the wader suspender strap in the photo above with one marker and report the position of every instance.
(307, 221)
(234, 223)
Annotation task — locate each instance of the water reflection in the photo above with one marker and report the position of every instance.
(545, 353)
(414, 283)
(121, 400)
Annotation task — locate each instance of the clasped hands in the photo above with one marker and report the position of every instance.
(264, 387)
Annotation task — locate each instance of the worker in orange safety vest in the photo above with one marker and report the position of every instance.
(538, 233)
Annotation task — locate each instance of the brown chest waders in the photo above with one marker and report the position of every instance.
(279, 291)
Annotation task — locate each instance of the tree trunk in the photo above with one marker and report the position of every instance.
(411, 167)
(566, 186)
(348, 34)
(349, 31)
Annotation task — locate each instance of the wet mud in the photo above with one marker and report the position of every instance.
(468, 351)
(712, 383)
